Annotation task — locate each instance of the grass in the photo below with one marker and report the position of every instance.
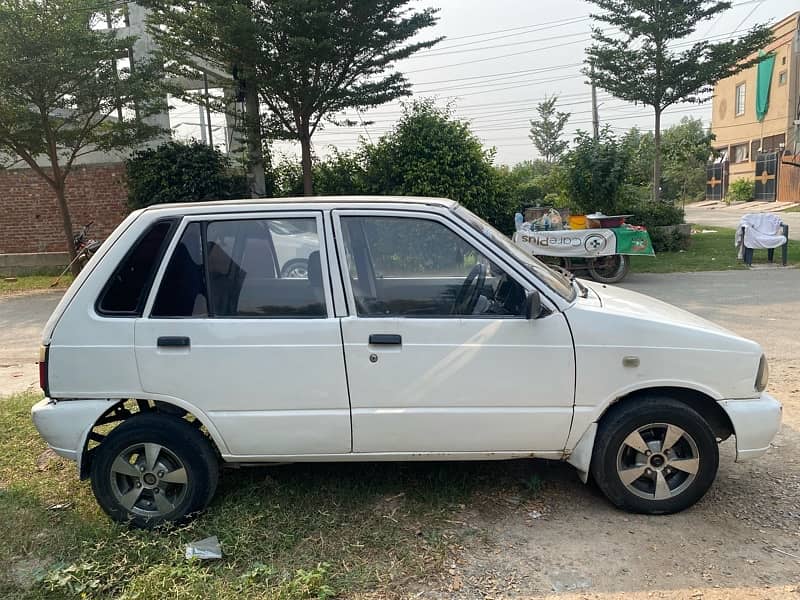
(296, 531)
(26, 283)
(707, 252)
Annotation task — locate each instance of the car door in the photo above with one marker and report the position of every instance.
(434, 368)
(259, 353)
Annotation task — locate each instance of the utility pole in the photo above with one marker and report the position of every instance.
(208, 110)
(595, 115)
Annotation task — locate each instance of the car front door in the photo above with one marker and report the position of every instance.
(251, 342)
(439, 354)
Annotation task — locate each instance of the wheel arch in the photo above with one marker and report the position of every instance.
(124, 409)
(703, 403)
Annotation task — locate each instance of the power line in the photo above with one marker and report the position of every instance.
(528, 30)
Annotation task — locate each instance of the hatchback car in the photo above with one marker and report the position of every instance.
(415, 331)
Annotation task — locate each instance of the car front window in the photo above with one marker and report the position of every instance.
(552, 279)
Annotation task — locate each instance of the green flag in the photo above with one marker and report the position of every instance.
(763, 81)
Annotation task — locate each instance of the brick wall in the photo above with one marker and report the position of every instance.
(30, 220)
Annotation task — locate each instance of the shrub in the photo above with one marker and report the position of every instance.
(178, 172)
(651, 214)
(660, 218)
(741, 190)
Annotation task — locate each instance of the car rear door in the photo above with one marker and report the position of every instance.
(430, 373)
(260, 354)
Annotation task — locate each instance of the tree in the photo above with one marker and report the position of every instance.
(642, 62)
(546, 132)
(176, 172)
(310, 60)
(429, 153)
(597, 170)
(63, 94)
(686, 147)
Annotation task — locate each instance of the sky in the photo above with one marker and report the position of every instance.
(501, 57)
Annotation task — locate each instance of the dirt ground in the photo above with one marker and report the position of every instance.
(741, 541)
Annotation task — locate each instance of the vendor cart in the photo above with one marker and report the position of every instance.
(603, 252)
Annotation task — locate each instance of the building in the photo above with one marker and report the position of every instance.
(31, 230)
(740, 135)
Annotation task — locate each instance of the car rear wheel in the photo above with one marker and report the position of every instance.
(654, 456)
(153, 469)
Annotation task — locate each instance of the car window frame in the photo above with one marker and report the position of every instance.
(206, 218)
(152, 279)
(462, 232)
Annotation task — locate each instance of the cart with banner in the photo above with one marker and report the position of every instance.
(602, 252)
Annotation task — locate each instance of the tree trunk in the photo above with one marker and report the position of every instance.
(255, 152)
(657, 158)
(66, 220)
(305, 145)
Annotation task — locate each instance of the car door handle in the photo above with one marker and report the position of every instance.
(385, 339)
(173, 342)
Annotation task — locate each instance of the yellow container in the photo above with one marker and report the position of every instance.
(577, 222)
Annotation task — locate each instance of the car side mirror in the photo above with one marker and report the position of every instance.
(533, 305)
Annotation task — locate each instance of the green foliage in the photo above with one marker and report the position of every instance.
(639, 62)
(429, 153)
(741, 190)
(596, 173)
(60, 93)
(686, 147)
(669, 239)
(546, 132)
(178, 172)
(311, 60)
(655, 214)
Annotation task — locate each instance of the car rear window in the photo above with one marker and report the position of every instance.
(125, 292)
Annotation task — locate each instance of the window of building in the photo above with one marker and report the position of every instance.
(755, 148)
(741, 92)
(740, 153)
(773, 143)
(127, 289)
(411, 267)
(782, 78)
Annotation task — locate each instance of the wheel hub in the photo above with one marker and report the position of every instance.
(150, 479)
(658, 461)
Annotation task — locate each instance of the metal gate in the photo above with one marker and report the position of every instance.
(766, 176)
(716, 180)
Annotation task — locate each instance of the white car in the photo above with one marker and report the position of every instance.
(418, 333)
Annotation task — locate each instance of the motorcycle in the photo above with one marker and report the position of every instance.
(85, 247)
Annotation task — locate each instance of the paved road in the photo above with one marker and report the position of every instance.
(21, 320)
(762, 304)
(728, 217)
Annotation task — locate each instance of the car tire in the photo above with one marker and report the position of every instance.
(295, 269)
(153, 469)
(654, 456)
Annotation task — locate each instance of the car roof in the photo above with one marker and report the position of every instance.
(304, 201)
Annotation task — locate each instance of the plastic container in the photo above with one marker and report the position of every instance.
(577, 222)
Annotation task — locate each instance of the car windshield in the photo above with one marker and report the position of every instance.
(553, 279)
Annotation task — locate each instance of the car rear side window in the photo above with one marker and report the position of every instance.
(183, 287)
(125, 293)
(245, 268)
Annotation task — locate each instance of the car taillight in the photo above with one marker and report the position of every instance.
(44, 352)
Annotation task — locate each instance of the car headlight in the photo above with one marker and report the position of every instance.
(763, 374)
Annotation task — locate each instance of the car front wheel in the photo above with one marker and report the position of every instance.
(153, 469)
(654, 456)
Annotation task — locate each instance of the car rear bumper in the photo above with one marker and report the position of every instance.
(65, 424)
(756, 421)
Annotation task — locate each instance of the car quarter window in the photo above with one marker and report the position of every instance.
(418, 267)
(128, 287)
(245, 268)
